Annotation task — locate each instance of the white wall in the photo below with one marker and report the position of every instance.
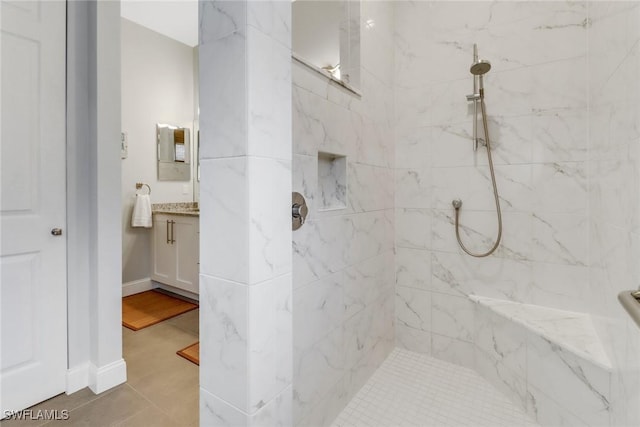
(316, 25)
(78, 185)
(175, 19)
(343, 261)
(157, 87)
(93, 174)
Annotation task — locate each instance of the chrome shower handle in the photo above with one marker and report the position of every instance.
(299, 210)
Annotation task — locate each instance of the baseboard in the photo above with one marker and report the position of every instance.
(190, 295)
(136, 286)
(108, 376)
(77, 378)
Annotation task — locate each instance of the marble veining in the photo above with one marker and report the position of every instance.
(570, 330)
(550, 361)
(245, 159)
(385, 268)
(343, 256)
(564, 123)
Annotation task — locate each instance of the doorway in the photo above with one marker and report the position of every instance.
(160, 214)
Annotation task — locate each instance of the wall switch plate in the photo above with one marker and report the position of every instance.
(124, 145)
(185, 188)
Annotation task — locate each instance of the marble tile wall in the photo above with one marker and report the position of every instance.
(565, 126)
(245, 199)
(614, 138)
(538, 131)
(536, 97)
(343, 259)
(555, 384)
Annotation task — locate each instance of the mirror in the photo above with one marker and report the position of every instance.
(326, 37)
(174, 153)
(196, 161)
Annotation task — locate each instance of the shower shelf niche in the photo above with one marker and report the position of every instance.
(332, 181)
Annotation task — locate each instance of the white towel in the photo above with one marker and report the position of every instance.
(142, 211)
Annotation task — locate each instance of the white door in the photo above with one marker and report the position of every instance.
(33, 297)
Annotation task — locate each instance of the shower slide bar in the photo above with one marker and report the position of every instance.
(478, 69)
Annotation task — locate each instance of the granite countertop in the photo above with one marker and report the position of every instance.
(185, 208)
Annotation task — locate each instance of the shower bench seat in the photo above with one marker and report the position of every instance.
(552, 362)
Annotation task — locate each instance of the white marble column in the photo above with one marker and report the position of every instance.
(245, 213)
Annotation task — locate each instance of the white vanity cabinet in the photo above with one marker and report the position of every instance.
(176, 251)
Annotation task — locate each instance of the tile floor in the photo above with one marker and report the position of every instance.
(411, 389)
(161, 388)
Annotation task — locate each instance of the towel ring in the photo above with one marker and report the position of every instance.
(139, 185)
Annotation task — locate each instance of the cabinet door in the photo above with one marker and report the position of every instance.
(164, 258)
(187, 252)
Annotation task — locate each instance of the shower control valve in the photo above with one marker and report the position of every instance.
(299, 210)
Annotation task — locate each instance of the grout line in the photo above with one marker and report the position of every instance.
(151, 402)
(411, 388)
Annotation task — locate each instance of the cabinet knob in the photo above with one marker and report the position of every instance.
(56, 231)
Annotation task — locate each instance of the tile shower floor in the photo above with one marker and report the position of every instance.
(412, 389)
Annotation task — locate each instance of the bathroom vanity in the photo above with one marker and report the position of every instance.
(175, 245)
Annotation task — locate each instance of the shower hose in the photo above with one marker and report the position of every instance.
(457, 204)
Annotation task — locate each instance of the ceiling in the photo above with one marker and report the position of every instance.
(177, 19)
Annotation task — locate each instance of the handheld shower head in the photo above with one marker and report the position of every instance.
(480, 67)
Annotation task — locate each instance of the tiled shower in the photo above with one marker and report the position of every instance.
(376, 269)
(386, 270)
(343, 258)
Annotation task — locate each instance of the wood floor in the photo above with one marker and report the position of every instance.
(191, 353)
(148, 308)
(161, 390)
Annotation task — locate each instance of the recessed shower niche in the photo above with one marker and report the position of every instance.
(332, 181)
